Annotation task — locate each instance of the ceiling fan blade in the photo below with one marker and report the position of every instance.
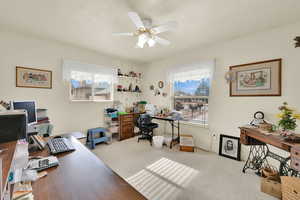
(169, 26)
(162, 41)
(136, 19)
(142, 41)
(123, 34)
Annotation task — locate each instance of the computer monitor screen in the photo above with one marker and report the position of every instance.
(12, 127)
(29, 106)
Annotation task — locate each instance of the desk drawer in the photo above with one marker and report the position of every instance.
(244, 138)
(127, 124)
(295, 152)
(295, 163)
(248, 140)
(126, 118)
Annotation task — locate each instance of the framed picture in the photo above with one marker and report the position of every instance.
(230, 147)
(160, 84)
(33, 78)
(256, 79)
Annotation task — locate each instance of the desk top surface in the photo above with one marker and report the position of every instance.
(273, 139)
(163, 118)
(82, 176)
(7, 157)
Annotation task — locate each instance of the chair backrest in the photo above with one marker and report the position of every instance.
(144, 120)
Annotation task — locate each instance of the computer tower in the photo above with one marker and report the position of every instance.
(13, 125)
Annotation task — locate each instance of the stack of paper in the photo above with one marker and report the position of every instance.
(22, 191)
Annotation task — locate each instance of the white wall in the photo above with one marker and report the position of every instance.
(22, 50)
(226, 113)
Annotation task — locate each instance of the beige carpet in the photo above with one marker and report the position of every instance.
(165, 174)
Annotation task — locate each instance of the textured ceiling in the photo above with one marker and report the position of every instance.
(90, 23)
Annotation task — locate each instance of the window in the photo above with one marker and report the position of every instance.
(191, 90)
(89, 82)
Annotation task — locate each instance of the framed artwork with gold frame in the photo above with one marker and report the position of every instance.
(33, 78)
(256, 79)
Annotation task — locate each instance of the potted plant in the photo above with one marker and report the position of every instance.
(288, 119)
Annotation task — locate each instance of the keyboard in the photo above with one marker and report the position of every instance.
(60, 145)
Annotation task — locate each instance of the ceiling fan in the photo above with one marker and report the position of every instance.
(147, 33)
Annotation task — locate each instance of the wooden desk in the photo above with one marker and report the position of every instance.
(259, 151)
(77, 135)
(7, 157)
(172, 122)
(82, 176)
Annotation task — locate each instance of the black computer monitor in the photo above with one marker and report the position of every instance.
(30, 107)
(13, 126)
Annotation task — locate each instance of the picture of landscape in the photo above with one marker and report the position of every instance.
(33, 78)
(254, 79)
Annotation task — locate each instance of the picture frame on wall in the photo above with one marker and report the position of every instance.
(256, 79)
(33, 78)
(230, 147)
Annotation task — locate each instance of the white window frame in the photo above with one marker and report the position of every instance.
(207, 64)
(93, 92)
(192, 122)
(70, 66)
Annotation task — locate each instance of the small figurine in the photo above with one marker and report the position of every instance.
(5, 105)
(130, 87)
(157, 92)
(119, 88)
(119, 72)
(137, 89)
(132, 74)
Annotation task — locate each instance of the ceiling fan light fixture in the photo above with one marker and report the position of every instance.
(153, 32)
(143, 38)
(147, 33)
(151, 42)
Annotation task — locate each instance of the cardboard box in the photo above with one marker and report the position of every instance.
(290, 187)
(186, 143)
(271, 187)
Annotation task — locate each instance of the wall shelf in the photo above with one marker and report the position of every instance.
(129, 92)
(129, 77)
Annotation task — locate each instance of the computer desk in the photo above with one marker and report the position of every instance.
(81, 176)
(173, 125)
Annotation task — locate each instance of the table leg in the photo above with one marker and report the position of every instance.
(178, 131)
(171, 144)
(285, 168)
(256, 158)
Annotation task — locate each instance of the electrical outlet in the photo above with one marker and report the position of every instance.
(214, 135)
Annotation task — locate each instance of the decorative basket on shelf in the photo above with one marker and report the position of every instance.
(266, 127)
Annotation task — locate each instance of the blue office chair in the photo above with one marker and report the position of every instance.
(146, 127)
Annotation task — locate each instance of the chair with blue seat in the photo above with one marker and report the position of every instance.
(146, 127)
(92, 140)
